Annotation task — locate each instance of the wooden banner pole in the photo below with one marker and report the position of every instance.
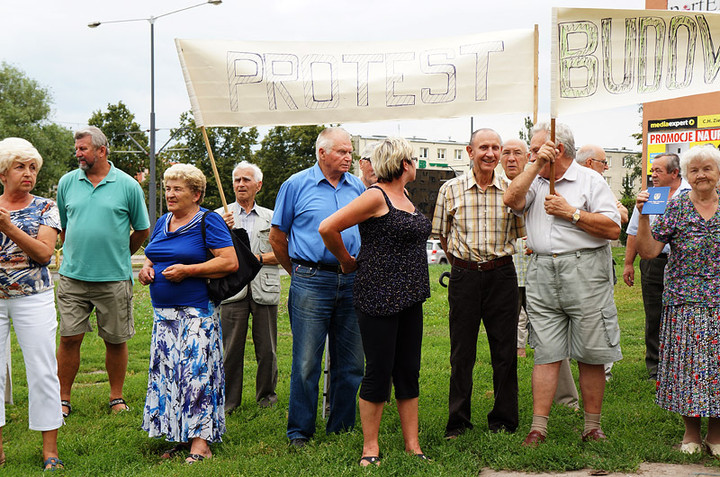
(535, 82)
(552, 164)
(214, 168)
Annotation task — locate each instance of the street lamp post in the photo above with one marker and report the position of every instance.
(152, 190)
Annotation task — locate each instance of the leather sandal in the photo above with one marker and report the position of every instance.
(370, 459)
(192, 458)
(52, 464)
(67, 405)
(117, 401)
(176, 449)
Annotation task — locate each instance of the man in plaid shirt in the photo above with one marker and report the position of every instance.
(478, 233)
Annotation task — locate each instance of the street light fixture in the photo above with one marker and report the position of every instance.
(152, 190)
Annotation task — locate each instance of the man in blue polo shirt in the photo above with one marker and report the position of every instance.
(104, 221)
(320, 296)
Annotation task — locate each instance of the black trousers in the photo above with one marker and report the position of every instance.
(652, 272)
(392, 346)
(490, 297)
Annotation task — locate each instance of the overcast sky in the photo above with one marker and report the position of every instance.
(85, 69)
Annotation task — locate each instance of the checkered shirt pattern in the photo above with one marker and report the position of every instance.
(477, 225)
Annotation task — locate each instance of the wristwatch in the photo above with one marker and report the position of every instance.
(576, 216)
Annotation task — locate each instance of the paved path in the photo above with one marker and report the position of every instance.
(646, 470)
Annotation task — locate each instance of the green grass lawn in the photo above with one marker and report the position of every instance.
(93, 442)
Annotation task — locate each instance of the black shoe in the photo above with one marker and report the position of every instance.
(451, 434)
(502, 428)
(298, 442)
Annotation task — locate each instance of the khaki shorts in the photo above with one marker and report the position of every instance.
(571, 308)
(112, 302)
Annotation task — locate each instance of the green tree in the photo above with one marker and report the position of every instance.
(25, 106)
(229, 146)
(119, 125)
(283, 152)
(633, 171)
(525, 134)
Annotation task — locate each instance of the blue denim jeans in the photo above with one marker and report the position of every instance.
(320, 303)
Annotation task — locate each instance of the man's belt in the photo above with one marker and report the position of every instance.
(327, 267)
(481, 266)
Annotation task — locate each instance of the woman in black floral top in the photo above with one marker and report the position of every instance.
(390, 287)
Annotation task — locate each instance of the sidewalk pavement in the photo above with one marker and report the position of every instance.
(647, 469)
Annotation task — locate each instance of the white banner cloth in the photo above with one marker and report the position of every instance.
(608, 58)
(237, 83)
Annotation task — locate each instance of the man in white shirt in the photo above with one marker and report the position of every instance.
(569, 279)
(665, 172)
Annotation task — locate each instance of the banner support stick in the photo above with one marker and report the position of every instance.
(552, 164)
(214, 168)
(536, 36)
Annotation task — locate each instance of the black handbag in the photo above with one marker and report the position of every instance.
(220, 289)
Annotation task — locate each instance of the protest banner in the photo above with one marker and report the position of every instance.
(609, 58)
(237, 83)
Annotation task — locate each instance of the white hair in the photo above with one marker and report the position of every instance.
(257, 173)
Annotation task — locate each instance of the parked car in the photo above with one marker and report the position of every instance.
(435, 253)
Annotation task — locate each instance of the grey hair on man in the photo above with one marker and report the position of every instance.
(368, 150)
(325, 139)
(97, 137)
(672, 162)
(257, 173)
(563, 135)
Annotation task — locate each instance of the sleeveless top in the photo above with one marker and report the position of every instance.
(392, 263)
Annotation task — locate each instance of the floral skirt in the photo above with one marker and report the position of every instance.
(689, 368)
(186, 381)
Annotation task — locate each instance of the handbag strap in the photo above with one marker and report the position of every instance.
(202, 228)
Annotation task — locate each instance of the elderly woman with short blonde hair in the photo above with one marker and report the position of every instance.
(29, 226)
(186, 383)
(390, 287)
(688, 367)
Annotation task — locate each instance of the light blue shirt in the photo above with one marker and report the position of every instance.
(633, 224)
(305, 200)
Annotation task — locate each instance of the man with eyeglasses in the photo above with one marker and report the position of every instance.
(478, 234)
(594, 157)
(367, 173)
(665, 170)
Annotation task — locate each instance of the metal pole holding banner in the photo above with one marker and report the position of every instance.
(214, 168)
(326, 373)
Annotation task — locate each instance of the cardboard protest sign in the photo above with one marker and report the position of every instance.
(608, 58)
(236, 83)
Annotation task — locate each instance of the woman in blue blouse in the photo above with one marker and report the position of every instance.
(29, 226)
(185, 398)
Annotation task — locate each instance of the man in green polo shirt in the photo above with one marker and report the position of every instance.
(104, 221)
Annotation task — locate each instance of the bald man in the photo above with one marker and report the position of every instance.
(593, 157)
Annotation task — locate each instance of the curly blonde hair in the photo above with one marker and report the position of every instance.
(17, 149)
(190, 175)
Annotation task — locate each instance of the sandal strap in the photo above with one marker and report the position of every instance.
(116, 401)
(195, 458)
(53, 462)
